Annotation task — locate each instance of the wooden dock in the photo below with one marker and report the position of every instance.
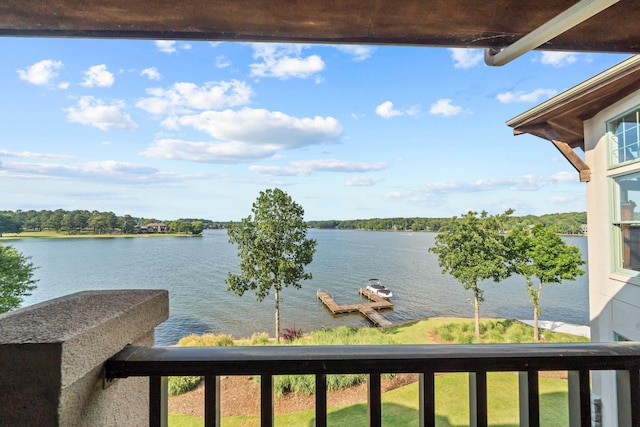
(369, 310)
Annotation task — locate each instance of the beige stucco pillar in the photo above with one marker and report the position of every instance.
(52, 356)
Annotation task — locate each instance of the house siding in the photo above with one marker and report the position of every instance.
(614, 299)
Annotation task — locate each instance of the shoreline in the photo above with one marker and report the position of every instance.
(55, 235)
(544, 325)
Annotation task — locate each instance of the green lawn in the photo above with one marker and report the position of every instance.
(400, 406)
(416, 332)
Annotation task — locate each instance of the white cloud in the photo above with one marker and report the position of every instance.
(171, 46)
(40, 73)
(98, 75)
(558, 59)
(284, 61)
(209, 152)
(185, 97)
(166, 46)
(108, 171)
(308, 167)
(362, 181)
(387, 111)
(93, 112)
(222, 61)
(30, 155)
(564, 177)
(259, 126)
(151, 73)
(444, 107)
(466, 58)
(245, 135)
(63, 85)
(520, 96)
(357, 52)
(530, 182)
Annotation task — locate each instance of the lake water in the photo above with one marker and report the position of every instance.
(194, 269)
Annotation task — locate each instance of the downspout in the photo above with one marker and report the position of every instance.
(568, 19)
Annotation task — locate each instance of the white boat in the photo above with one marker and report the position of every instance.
(376, 287)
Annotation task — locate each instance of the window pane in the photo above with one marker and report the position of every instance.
(627, 220)
(624, 137)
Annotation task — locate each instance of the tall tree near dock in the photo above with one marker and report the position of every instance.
(272, 247)
(539, 251)
(472, 249)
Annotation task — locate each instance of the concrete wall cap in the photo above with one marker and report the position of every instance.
(60, 319)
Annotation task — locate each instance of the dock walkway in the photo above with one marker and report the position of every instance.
(366, 309)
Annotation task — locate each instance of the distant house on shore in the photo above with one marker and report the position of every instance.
(601, 116)
(154, 227)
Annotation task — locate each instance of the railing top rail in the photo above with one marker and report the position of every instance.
(275, 360)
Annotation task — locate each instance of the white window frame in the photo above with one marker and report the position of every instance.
(613, 140)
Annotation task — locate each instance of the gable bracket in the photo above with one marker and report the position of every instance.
(569, 154)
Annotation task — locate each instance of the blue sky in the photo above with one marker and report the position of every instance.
(197, 129)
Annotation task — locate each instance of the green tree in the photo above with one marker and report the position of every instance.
(471, 248)
(197, 227)
(16, 278)
(272, 247)
(98, 223)
(8, 224)
(127, 224)
(71, 222)
(539, 251)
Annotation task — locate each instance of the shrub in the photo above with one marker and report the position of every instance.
(260, 339)
(224, 341)
(497, 331)
(519, 333)
(348, 335)
(304, 384)
(206, 340)
(179, 385)
(291, 334)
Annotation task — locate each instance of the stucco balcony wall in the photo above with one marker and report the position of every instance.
(52, 358)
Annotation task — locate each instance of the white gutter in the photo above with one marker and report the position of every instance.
(568, 19)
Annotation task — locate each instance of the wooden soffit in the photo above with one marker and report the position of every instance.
(462, 23)
(560, 119)
(565, 113)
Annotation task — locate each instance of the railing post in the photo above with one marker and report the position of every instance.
(158, 401)
(579, 398)
(478, 399)
(212, 401)
(321, 400)
(628, 397)
(266, 400)
(529, 399)
(426, 399)
(374, 400)
(634, 394)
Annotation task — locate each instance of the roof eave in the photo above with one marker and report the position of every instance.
(598, 82)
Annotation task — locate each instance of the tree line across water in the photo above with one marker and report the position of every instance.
(79, 221)
(565, 223)
(75, 221)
